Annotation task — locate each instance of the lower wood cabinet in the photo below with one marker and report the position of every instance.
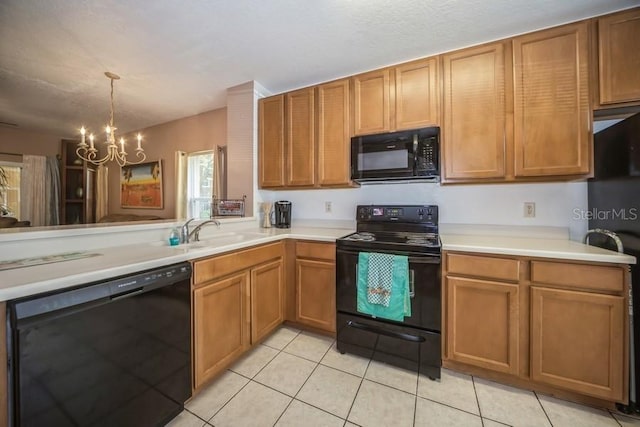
(577, 341)
(547, 324)
(238, 298)
(482, 319)
(316, 285)
(267, 296)
(221, 325)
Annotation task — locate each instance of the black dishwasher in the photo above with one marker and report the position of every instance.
(110, 353)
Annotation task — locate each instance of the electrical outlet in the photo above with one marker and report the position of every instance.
(327, 207)
(529, 210)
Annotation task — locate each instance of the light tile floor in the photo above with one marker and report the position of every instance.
(297, 378)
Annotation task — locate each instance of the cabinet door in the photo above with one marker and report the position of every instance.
(619, 57)
(300, 138)
(482, 323)
(316, 294)
(474, 132)
(267, 296)
(417, 94)
(221, 325)
(593, 363)
(371, 102)
(333, 134)
(551, 102)
(271, 152)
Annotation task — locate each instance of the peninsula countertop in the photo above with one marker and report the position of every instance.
(127, 259)
(121, 260)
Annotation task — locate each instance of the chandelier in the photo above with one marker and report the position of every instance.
(90, 154)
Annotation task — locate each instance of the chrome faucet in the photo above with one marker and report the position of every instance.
(184, 231)
(185, 235)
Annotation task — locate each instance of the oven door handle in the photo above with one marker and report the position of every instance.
(381, 331)
(412, 281)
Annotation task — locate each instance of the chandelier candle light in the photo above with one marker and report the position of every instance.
(89, 153)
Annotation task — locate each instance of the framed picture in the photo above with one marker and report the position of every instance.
(141, 186)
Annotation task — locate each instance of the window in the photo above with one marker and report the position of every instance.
(200, 184)
(10, 197)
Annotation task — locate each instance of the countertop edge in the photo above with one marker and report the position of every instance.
(85, 277)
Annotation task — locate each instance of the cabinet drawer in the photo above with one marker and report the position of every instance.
(222, 265)
(326, 251)
(593, 277)
(482, 266)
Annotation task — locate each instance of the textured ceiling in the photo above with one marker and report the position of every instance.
(177, 57)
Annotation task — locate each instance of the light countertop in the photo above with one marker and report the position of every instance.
(531, 247)
(127, 259)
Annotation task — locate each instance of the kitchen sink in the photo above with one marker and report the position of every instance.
(220, 239)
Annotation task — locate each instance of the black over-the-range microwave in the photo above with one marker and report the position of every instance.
(405, 155)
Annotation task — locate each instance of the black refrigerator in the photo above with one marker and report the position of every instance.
(614, 205)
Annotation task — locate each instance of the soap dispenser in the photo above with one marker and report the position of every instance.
(174, 237)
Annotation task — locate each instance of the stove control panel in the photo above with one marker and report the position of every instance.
(402, 213)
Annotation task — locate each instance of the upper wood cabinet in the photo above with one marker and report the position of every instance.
(271, 148)
(401, 97)
(552, 117)
(334, 134)
(305, 138)
(619, 58)
(417, 98)
(299, 123)
(474, 133)
(371, 103)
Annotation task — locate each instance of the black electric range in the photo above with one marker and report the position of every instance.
(412, 231)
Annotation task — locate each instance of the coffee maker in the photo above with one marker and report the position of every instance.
(282, 214)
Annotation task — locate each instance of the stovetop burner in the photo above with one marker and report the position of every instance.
(402, 238)
(412, 229)
(363, 236)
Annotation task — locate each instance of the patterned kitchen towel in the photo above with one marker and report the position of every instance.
(399, 299)
(380, 278)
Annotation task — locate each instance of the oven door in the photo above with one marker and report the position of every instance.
(373, 157)
(424, 284)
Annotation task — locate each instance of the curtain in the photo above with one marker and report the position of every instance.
(220, 173)
(52, 195)
(102, 192)
(33, 188)
(182, 168)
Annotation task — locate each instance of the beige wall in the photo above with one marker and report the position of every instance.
(17, 141)
(195, 133)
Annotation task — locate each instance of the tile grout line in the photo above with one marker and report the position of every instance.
(358, 390)
(305, 381)
(267, 364)
(230, 399)
(544, 410)
(475, 392)
(457, 409)
(250, 380)
(614, 417)
(415, 401)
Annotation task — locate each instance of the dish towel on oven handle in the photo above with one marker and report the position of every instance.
(375, 272)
